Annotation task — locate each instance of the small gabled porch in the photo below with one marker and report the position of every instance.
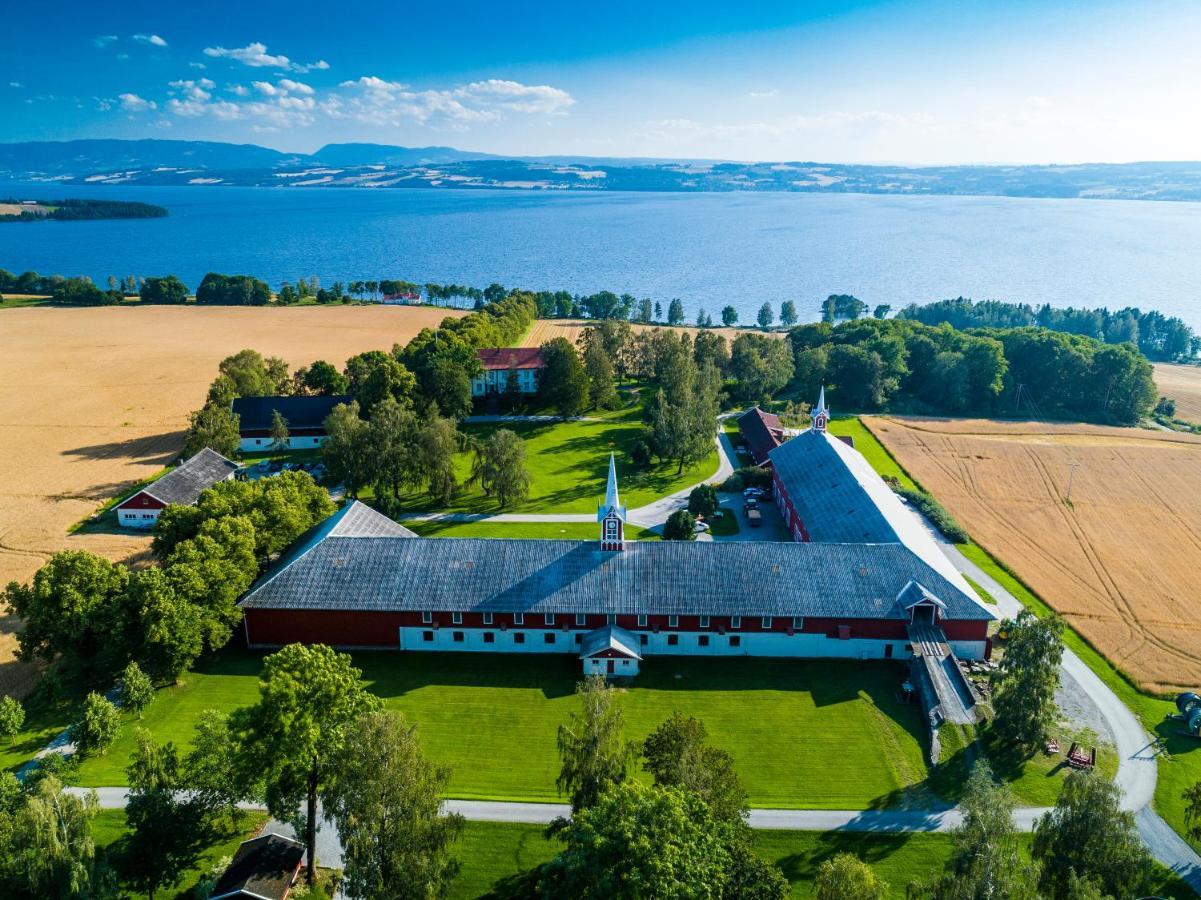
(610, 651)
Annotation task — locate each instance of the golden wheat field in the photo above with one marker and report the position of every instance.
(1120, 561)
(1182, 384)
(94, 400)
(544, 330)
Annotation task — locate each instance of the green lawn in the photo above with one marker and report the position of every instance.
(568, 531)
(491, 852)
(875, 453)
(804, 733)
(568, 463)
(109, 826)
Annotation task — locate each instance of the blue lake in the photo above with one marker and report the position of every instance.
(708, 249)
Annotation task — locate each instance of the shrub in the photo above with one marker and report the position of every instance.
(936, 513)
(747, 476)
(12, 717)
(703, 500)
(136, 689)
(681, 526)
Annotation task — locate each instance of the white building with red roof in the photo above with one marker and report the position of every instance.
(525, 364)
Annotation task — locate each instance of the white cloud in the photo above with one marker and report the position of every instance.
(134, 103)
(197, 65)
(104, 40)
(761, 95)
(238, 90)
(377, 101)
(296, 87)
(152, 39)
(283, 105)
(265, 87)
(194, 90)
(15, 84)
(255, 55)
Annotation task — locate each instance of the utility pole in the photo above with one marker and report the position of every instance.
(1018, 403)
(1072, 467)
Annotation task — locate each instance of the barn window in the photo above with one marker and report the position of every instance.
(518, 618)
(625, 662)
(798, 622)
(518, 638)
(489, 637)
(487, 618)
(673, 621)
(456, 619)
(702, 640)
(427, 618)
(549, 618)
(766, 623)
(735, 621)
(642, 621)
(704, 621)
(579, 638)
(548, 638)
(581, 619)
(611, 619)
(643, 639)
(888, 651)
(735, 640)
(427, 636)
(673, 640)
(458, 637)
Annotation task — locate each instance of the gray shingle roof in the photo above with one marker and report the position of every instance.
(842, 499)
(609, 637)
(340, 571)
(184, 484)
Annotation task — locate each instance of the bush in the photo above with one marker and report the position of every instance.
(936, 513)
(1165, 407)
(703, 500)
(136, 689)
(681, 526)
(12, 717)
(747, 476)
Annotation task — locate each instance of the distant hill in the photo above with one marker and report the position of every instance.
(155, 162)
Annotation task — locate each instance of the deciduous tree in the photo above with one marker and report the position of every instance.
(12, 717)
(1090, 836)
(437, 442)
(680, 526)
(46, 845)
(387, 807)
(1026, 679)
(702, 501)
(137, 691)
(765, 316)
(846, 877)
(592, 747)
(675, 312)
(308, 697)
(602, 391)
(346, 450)
(280, 437)
(761, 366)
(500, 467)
(564, 383)
(788, 314)
(213, 426)
(677, 755)
(97, 727)
(729, 316)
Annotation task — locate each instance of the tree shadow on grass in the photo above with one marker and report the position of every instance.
(147, 448)
(871, 848)
(392, 674)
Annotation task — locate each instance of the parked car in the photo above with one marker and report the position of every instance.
(754, 518)
(751, 503)
(700, 527)
(753, 492)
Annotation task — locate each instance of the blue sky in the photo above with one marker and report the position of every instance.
(912, 82)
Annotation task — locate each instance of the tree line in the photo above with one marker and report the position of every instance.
(75, 209)
(1156, 335)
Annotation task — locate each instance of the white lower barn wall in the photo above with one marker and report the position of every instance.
(816, 646)
(621, 667)
(138, 518)
(250, 445)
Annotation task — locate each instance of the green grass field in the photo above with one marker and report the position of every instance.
(568, 463)
(109, 827)
(567, 531)
(803, 733)
(875, 453)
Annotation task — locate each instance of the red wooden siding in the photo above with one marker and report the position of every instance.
(142, 500)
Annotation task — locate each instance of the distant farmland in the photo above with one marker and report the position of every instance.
(1120, 562)
(1182, 384)
(544, 330)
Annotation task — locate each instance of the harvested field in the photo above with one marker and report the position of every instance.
(1182, 384)
(544, 330)
(1119, 562)
(94, 400)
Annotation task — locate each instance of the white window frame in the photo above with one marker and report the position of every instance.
(735, 621)
(427, 618)
(487, 618)
(611, 619)
(581, 620)
(704, 621)
(548, 618)
(642, 621)
(456, 618)
(518, 618)
(798, 622)
(673, 621)
(765, 623)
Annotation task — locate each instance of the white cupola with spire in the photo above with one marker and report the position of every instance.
(611, 514)
(821, 413)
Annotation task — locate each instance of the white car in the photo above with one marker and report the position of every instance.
(700, 527)
(753, 492)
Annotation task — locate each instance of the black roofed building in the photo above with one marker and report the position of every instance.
(264, 868)
(361, 580)
(761, 432)
(305, 417)
(182, 485)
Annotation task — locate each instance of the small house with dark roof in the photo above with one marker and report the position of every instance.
(305, 417)
(182, 485)
(496, 364)
(263, 868)
(761, 432)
